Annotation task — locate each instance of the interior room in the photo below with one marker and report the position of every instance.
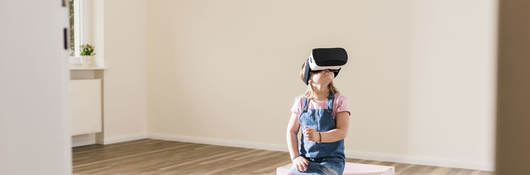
(218, 87)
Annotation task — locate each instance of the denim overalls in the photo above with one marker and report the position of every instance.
(324, 158)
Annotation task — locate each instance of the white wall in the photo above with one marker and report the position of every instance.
(125, 91)
(419, 79)
(34, 122)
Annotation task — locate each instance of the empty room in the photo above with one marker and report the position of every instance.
(353, 87)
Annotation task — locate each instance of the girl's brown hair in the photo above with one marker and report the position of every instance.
(309, 92)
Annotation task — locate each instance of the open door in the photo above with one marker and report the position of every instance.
(34, 122)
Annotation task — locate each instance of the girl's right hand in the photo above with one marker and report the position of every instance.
(300, 163)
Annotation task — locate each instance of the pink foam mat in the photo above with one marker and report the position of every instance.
(351, 169)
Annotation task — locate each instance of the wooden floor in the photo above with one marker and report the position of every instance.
(148, 156)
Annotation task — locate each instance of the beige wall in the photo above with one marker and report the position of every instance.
(125, 94)
(420, 78)
(452, 82)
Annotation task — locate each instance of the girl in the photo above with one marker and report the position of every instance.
(323, 115)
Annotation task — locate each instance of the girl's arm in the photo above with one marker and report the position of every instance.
(339, 133)
(292, 139)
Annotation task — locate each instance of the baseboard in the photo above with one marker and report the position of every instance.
(82, 140)
(417, 160)
(430, 161)
(220, 142)
(117, 139)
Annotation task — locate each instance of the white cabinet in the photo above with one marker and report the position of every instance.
(86, 104)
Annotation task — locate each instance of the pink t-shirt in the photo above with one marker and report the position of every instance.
(340, 104)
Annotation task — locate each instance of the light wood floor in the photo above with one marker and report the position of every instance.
(148, 156)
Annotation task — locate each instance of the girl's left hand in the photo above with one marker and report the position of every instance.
(311, 134)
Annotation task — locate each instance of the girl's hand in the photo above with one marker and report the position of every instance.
(300, 163)
(311, 134)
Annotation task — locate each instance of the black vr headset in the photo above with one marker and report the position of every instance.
(325, 58)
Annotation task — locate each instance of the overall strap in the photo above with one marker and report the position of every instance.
(304, 106)
(330, 101)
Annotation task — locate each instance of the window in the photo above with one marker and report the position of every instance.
(86, 25)
(76, 26)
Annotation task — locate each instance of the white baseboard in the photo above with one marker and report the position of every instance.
(221, 142)
(117, 139)
(82, 140)
(430, 161)
(89, 139)
(417, 160)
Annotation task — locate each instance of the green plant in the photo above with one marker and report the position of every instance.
(87, 50)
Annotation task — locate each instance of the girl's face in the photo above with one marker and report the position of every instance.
(323, 77)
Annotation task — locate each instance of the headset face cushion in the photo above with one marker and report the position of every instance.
(327, 58)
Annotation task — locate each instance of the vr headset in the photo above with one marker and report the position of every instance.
(325, 58)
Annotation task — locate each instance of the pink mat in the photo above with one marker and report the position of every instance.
(351, 169)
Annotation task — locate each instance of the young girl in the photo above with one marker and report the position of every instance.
(323, 116)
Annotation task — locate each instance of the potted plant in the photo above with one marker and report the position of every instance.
(87, 55)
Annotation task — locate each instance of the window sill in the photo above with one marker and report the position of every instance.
(87, 68)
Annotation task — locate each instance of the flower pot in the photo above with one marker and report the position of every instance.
(87, 61)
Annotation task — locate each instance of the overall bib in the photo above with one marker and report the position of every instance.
(324, 158)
